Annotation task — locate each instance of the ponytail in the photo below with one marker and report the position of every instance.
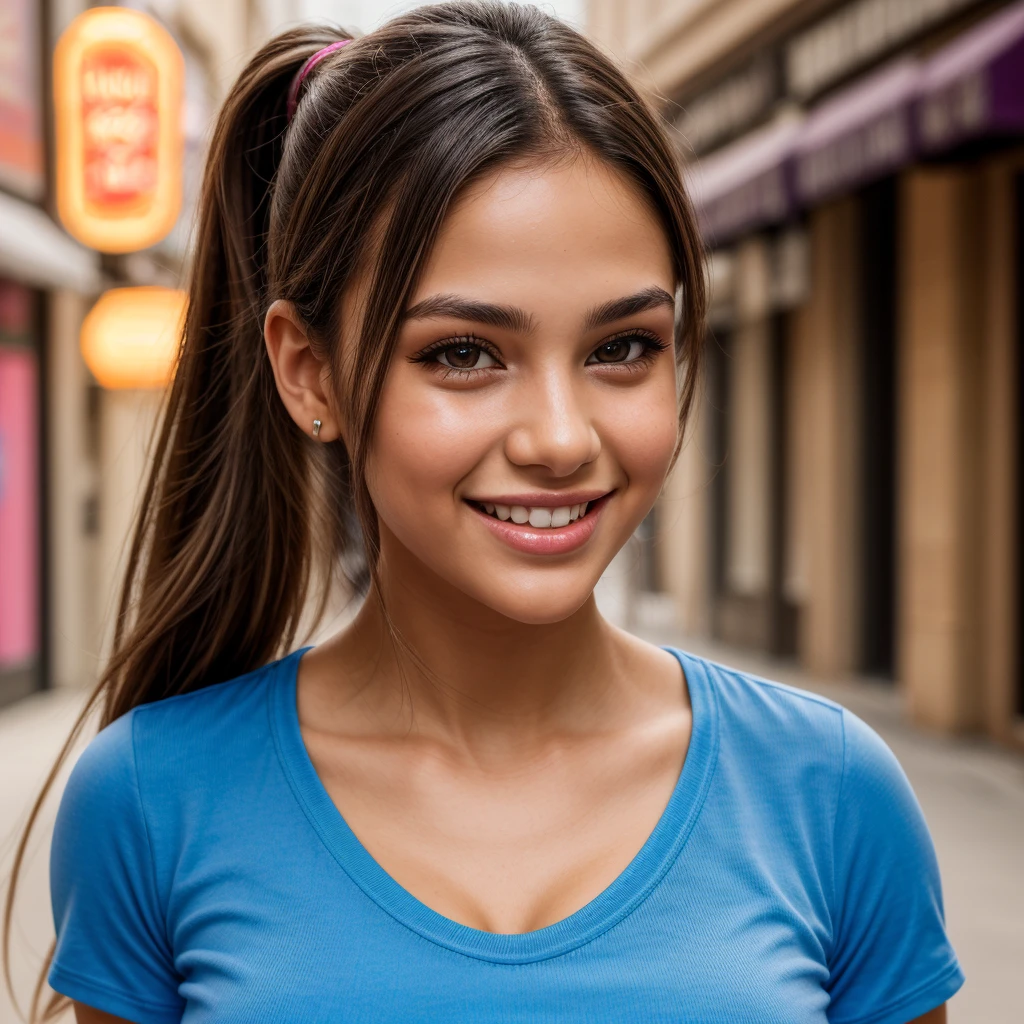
(220, 564)
(223, 552)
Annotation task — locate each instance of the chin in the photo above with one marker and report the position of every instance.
(529, 612)
(531, 598)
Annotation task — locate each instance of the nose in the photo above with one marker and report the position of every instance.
(553, 428)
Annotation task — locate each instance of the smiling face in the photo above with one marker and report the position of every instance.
(529, 415)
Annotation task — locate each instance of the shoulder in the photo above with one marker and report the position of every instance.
(767, 715)
(215, 714)
(807, 745)
(179, 738)
(104, 776)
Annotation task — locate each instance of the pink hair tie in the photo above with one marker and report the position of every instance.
(293, 92)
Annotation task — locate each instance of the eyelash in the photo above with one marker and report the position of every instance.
(427, 354)
(652, 346)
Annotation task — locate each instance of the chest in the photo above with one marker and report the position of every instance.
(329, 954)
(504, 850)
(303, 922)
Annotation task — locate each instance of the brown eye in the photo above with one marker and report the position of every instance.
(465, 356)
(619, 350)
(613, 352)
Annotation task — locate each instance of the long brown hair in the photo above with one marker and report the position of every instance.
(389, 129)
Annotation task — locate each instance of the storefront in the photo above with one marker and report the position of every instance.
(44, 281)
(21, 171)
(859, 176)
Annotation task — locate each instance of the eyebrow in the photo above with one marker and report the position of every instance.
(438, 307)
(628, 305)
(512, 318)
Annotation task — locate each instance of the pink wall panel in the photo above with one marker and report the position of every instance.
(19, 513)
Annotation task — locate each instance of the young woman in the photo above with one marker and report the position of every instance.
(447, 312)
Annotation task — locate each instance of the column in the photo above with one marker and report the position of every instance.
(127, 422)
(684, 541)
(1000, 501)
(829, 418)
(940, 495)
(70, 484)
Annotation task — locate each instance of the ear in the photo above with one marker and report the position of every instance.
(301, 377)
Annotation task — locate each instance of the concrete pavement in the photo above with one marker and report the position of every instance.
(972, 794)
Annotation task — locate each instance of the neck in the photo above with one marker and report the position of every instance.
(474, 675)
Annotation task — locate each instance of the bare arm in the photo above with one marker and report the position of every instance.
(87, 1015)
(936, 1016)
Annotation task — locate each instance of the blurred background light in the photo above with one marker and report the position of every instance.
(130, 337)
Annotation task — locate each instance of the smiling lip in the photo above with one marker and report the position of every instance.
(546, 540)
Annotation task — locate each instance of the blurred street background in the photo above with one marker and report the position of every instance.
(846, 512)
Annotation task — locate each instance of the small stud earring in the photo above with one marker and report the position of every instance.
(316, 428)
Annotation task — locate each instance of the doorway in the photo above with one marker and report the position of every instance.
(1018, 259)
(879, 442)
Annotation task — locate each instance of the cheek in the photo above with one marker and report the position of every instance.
(642, 435)
(424, 442)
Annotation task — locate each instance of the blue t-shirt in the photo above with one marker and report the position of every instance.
(201, 873)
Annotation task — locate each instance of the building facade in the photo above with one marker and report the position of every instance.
(45, 278)
(849, 495)
(72, 455)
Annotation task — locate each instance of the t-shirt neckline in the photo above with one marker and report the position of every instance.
(636, 882)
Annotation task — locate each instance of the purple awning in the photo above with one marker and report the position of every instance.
(975, 86)
(859, 135)
(746, 185)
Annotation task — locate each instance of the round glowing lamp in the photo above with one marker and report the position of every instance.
(130, 337)
(118, 88)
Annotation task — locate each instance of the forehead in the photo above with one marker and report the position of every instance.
(565, 231)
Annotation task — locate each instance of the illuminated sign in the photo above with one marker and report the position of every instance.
(130, 337)
(118, 81)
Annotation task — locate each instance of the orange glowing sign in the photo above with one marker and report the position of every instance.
(130, 337)
(118, 81)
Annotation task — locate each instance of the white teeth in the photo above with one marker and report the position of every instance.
(540, 517)
(560, 516)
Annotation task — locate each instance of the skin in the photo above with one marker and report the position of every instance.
(511, 783)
